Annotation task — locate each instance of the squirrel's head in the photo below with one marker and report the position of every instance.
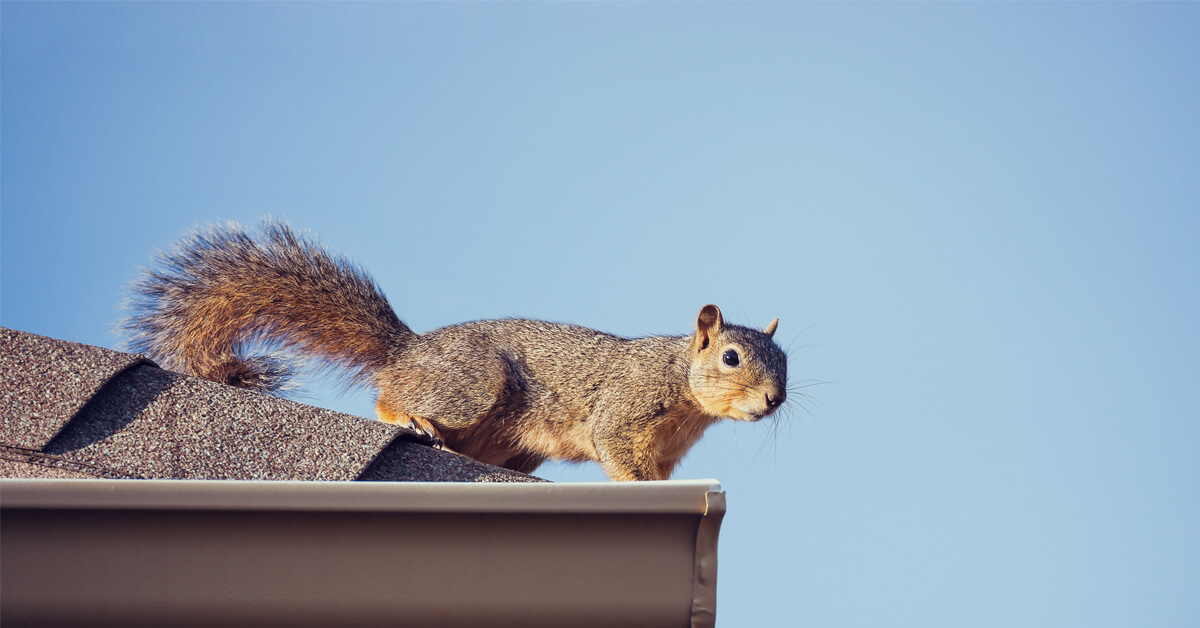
(736, 372)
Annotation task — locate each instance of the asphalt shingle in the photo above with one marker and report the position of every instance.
(47, 383)
(84, 411)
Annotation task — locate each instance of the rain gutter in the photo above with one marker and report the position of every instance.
(253, 553)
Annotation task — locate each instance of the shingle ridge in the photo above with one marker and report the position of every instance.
(45, 382)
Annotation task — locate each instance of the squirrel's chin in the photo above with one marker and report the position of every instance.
(748, 417)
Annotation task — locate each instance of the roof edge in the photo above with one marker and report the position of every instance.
(671, 496)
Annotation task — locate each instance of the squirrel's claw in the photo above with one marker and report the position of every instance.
(428, 435)
(426, 432)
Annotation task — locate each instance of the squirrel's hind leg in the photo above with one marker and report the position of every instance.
(450, 392)
(388, 414)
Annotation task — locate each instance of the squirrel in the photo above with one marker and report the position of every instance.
(508, 392)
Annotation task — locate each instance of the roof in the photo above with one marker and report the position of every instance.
(69, 410)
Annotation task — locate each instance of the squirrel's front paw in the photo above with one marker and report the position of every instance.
(426, 431)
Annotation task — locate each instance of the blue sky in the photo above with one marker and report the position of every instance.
(978, 224)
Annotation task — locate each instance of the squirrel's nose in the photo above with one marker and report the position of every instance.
(776, 401)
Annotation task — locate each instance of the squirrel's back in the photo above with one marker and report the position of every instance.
(576, 358)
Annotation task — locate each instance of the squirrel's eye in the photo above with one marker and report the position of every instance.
(731, 358)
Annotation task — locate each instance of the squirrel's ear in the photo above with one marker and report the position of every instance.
(769, 330)
(708, 325)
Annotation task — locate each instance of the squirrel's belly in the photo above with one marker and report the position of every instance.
(558, 431)
(496, 439)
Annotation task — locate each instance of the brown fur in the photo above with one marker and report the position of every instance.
(508, 392)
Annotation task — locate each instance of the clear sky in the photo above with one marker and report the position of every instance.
(979, 225)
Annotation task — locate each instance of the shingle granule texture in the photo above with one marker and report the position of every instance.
(71, 410)
(43, 383)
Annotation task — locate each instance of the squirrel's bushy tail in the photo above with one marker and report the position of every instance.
(222, 290)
